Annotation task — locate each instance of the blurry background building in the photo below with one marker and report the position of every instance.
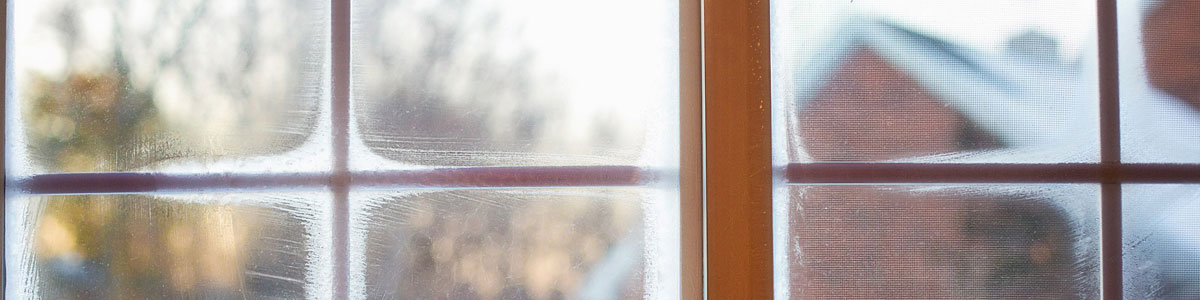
(876, 89)
(879, 91)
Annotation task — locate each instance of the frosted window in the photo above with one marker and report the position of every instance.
(569, 243)
(194, 103)
(945, 81)
(933, 81)
(515, 82)
(1160, 72)
(1161, 234)
(942, 242)
(148, 85)
(221, 246)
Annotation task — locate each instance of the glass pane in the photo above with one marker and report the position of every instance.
(1160, 72)
(934, 80)
(175, 85)
(515, 82)
(1161, 233)
(941, 242)
(167, 247)
(566, 243)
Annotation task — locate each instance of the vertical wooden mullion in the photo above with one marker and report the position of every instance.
(737, 149)
(339, 182)
(691, 159)
(1110, 149)
(3, 148)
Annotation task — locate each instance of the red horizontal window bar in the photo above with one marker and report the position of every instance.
(851, 173)
(569, 176)
(507, 177)
(473, 177)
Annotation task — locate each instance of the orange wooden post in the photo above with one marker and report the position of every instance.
(738, 148)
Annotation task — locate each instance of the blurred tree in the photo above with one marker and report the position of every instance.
(99, 114)
(82, 123)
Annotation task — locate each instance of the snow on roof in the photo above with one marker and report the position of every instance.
(1022, 100)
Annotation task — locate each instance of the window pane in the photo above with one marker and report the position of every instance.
(947, 81)
(515, 82)
(1160, 72)
(565, 243)
(941, 242)
(167, 247)
(176, 85)
(1161, 233)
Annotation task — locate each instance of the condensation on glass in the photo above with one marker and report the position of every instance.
(214, 246)
(1160, 80)
(567, 243)
(205, 93)
(1161, 247)
(934, 81)
(1160, 123)
(119, 85)
(514, 82)
(942, 242)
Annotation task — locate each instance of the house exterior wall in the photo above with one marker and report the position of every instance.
(871, 111)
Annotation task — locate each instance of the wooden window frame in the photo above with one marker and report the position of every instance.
(725, 174)
(737, 158)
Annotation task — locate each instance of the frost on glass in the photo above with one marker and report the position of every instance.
(1160, 80)
(931, 80)
(1161, 247)
(514, 82)
(243, 246)
(116, 85)
(567, 243)
(943, 242)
